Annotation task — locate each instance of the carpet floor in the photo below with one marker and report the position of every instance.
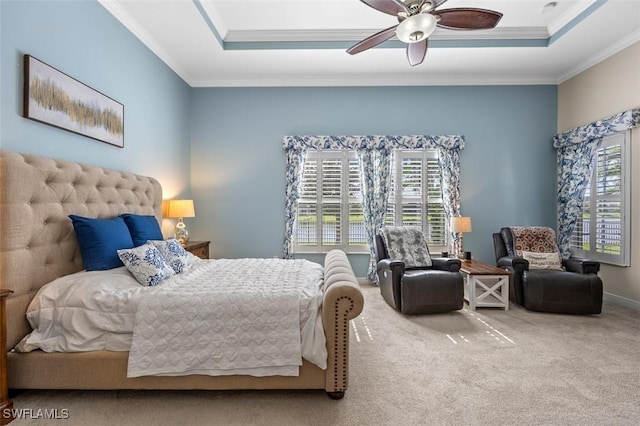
(483, 367)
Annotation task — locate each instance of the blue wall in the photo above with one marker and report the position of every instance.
(237, 161)
(85, 41)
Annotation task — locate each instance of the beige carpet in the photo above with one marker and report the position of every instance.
(487, 367)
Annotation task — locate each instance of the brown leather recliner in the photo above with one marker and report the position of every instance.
(576, 290)
(420, 290)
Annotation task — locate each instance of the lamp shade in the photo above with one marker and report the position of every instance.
(180, 208)
(460, 224)
(416, 28)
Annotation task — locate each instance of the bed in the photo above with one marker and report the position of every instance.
(38, 245)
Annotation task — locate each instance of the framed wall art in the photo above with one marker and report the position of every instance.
(52, 97)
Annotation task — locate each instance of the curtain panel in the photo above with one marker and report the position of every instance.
(576, 150)
(374, 153)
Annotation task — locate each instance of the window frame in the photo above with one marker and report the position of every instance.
(424, 155)
(623, 259)
(345, 156)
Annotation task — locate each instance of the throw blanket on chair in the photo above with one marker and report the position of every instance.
(538, 245)
(229, 316)
(407, 245)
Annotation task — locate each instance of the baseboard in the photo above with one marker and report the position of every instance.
(621, 301)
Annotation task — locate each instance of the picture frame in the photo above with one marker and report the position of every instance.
(54, 98)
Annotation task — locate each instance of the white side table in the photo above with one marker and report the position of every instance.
(486, 286)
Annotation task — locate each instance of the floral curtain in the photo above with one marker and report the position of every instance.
(374, 155)
(576, 149)
(375, 166)
(449, 162)
(295, 162)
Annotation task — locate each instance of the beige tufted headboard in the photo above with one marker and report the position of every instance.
(37, 241)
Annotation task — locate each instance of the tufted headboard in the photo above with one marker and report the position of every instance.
(37, 241)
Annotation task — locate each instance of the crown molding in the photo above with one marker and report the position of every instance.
(384, 80)
(601, 56)
(319, 35)
(132, 25)
(570, 15)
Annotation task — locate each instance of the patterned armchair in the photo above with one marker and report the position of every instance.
(413, 282)
(541, 279)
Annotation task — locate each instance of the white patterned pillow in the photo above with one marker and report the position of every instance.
(146, 264)
(176, 256)
(407, 245)
(543, 260)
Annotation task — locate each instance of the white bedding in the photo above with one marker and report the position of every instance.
(90, 311)
(85, 311)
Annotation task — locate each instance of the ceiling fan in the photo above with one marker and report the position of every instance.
(417, 19)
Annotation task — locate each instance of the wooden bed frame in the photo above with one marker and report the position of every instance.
(37, 245)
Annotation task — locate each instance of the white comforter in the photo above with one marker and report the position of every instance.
(99, 310)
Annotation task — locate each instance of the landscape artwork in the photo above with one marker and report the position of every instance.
(54, 98)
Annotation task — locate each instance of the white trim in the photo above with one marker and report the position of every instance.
(621, 301)
(503, 33)
(145, 38)
(384, 80)
(569, 16)
(600, 56)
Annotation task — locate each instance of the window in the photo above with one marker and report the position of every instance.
(415, 197)
(603, 229)
(330, 204)
(330, 201)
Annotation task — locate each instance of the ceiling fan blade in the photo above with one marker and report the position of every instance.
(417, 51)
(438, 3)
(373, 40)
(391, 7)
(468, 18)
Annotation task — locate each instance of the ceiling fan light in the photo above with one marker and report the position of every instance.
(416, 28)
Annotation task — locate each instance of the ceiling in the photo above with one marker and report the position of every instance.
(236, 43)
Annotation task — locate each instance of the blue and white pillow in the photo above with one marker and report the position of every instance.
(146, 264)
(176, 256)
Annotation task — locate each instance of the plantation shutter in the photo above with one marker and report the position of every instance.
(600, 229)
(436, 231)
(415, 198)
(307, 226)
(608, 201)
(357, 233)
(330, 203)
(331, 190)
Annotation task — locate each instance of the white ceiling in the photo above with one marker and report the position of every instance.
(223, 43)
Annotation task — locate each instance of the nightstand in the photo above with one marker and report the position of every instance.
(199, 248)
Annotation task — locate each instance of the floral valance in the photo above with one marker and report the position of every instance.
(598, 129)
(303, 143)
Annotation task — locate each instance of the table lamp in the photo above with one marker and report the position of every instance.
(460, 225)
(181, 209)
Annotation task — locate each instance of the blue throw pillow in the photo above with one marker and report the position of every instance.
(142, 228)
(100, 240)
